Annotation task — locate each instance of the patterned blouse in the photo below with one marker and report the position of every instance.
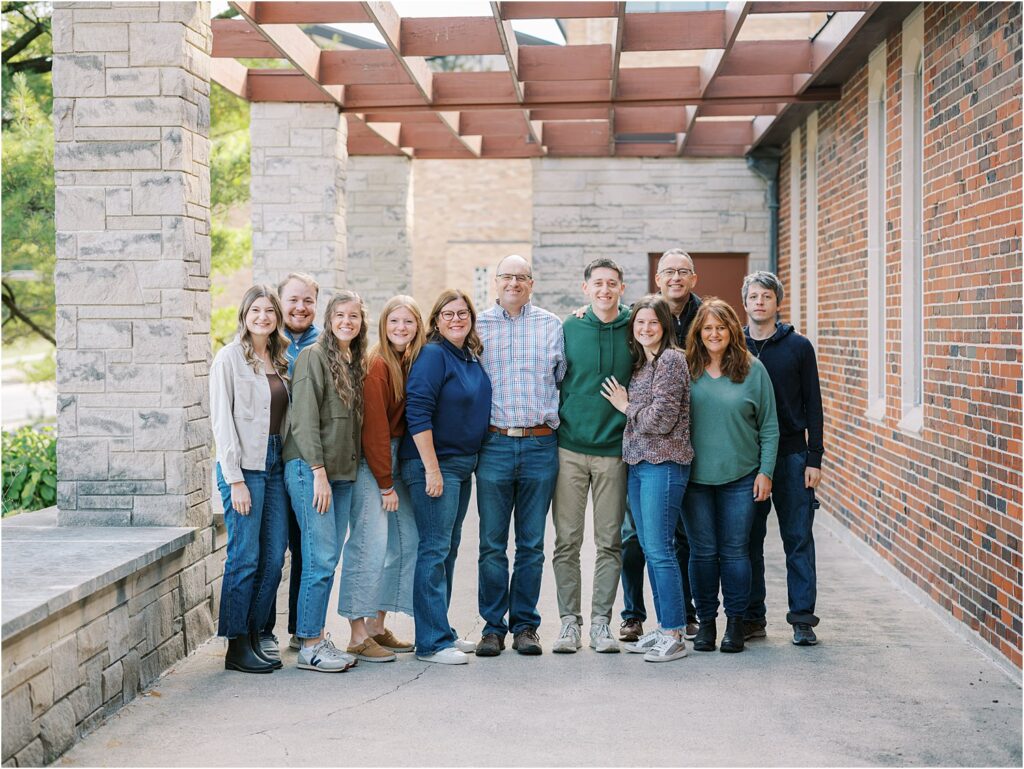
(658, 416)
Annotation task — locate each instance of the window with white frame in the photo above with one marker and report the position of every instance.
(876, 233)
(811, 227)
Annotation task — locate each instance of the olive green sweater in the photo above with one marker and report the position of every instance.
(323, 431)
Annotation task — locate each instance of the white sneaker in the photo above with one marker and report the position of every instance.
(667, 649)
(569, 638)
(464, 645)
(644, 643)
(601, 639)
(324, 657)
(449, 656)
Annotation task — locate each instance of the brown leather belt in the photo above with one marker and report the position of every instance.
(521, 432)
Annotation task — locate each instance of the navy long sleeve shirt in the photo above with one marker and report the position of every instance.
(448, 392)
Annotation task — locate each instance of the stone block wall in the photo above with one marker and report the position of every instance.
(627, 208)
(131, 118)
(64, 675)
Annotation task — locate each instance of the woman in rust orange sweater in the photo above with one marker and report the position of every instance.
(380, 555)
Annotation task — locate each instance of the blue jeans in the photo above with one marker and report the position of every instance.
(718, 520)
(294, 575)
(439, 523)
(322, 537)
(255, 551)
(656, 499)
(633, 563)
(794, 506)
(380, 554)
(513, 474)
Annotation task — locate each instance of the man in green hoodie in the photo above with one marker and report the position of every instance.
(590, 457)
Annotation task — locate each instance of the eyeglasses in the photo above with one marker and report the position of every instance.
(508, 277)
(450, 315)
(682, 272)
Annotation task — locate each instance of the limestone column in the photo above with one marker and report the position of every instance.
(299, 158)
(131, 112)
(379, 213)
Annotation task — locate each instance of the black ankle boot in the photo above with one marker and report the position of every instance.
(732, 641)
(257, 646)
(242, 658)
(707, 633)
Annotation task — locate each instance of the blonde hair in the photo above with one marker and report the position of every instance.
(736, 358)
(473, 343)
(347, 375)
(398, 363)
(277, 343)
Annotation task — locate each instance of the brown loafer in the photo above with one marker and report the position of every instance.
(370, 651)
(388, 641)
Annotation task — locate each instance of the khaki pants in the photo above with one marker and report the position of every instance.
(605, 478)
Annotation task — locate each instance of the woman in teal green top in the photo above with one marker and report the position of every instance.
(735, 437)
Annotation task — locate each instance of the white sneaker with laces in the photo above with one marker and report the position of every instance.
(464, 645)
(667, 649)
(324, 657)
(569, 638)
(644, 643)
(601, 639)
(449, 656)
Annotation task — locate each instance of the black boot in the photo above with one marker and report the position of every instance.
(732, 641)
(242, 658)
(257, 646)
(707, 633)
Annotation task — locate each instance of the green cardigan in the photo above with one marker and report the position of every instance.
(323, 430)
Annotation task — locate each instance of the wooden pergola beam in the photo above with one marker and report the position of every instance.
(675, 31)
(807, 7)
(453, 36)
(510, 47)
(657, 120)
(572, 62)
(237, 38)
(287, 85)
(542, 10)
(232, 75)
(472, 87)
(767, 57)
(659, 83)
(720, 132)
(361, 67)
(620, 31)
(309, 13)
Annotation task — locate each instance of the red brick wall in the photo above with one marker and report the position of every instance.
(944, 507)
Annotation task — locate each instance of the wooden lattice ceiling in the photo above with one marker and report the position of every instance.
(571, 100)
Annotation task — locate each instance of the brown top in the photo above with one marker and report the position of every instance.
(383, 419)
(278, 402)
(658, 417)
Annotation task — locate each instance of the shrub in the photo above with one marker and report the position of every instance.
(30, 469)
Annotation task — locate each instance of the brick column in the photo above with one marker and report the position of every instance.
(299, 159)
(132, 118)
(378, 203)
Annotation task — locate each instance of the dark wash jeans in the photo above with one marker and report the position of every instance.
(256, 542)
(718, 520)
(294, 576)
(794, 506)
(513, 474)
(633, 563)
(439, 523)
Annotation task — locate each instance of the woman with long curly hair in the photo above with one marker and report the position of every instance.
(249, 412)
(447, 407)
(322, 457)
(735, 438)
(380, 554)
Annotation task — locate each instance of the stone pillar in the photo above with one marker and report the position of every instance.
(131, 113)
(299, 159)
(378, 204)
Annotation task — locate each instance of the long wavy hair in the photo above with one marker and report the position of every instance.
(347, 375)
(668, 335)
(277, 343)
(736, 359)
(473, 343)
(398, 363)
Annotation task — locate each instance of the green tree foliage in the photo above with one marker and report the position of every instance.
(30, 469)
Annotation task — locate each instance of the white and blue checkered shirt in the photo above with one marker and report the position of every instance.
(525, 359)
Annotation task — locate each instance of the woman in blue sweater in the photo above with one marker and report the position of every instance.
(447, 408)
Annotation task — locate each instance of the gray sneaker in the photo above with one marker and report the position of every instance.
(644, 643)
(569, 638)
(601, 639)
(324, 657)
(667, 649)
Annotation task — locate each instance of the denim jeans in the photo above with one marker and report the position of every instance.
(513, 476)
(255, 550)
(718, 520)
(322, 537)
(633, 563)
(380, 554)
(656, 498)
(794, 506)
(294, 575)
(439, 523)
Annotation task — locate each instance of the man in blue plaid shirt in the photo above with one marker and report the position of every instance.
(524, 355)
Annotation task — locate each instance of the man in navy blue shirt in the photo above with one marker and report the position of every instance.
(793, 368)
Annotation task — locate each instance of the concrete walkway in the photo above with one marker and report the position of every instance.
(887, 685)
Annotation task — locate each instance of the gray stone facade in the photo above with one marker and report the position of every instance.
(131, 116)
(299, 164)
(626, 208)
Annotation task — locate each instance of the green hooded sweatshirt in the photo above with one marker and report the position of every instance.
(593, 351)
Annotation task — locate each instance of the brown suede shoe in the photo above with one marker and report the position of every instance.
(631, 630)
(490, 646)
(527, 642)
(388, 641)
(370, 651)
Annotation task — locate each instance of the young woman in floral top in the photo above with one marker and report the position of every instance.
(656, 446)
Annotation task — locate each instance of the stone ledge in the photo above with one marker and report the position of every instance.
(47, 568)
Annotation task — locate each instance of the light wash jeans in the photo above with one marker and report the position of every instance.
(379, 559)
